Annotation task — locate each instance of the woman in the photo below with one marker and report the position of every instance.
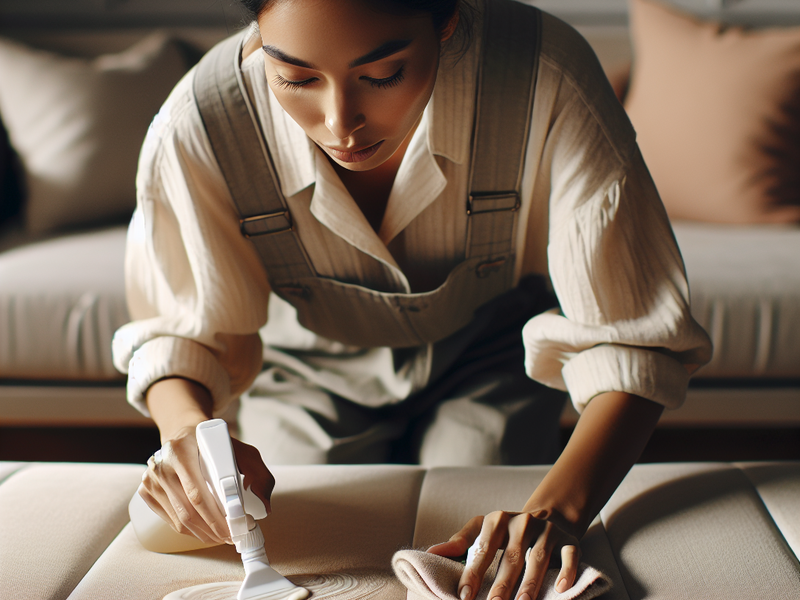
(368, 111)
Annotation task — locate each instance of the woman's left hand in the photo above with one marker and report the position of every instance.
(515, 533)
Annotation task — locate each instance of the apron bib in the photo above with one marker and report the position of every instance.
(354, 314)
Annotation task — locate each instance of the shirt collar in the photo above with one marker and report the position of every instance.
(453, 104)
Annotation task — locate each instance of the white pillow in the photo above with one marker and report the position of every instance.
(77, 126)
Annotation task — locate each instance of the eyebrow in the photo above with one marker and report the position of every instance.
(382, 51)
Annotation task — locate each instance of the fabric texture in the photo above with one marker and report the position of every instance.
(718, 531)
(586, 199)
(78, 125)
(333, 529)
(60, 302)
(716, 110)
(431, 577)
(652, 514)
(56, 520)
(745, 292)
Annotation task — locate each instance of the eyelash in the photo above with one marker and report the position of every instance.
(388, 82)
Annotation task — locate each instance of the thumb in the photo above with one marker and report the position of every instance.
(456, 546)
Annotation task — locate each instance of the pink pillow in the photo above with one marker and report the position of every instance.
(717, 115)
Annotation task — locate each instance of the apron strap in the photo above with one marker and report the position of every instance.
(238, 144)
(500, 134)
(501, 126)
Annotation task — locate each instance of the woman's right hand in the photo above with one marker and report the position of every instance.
(174, 488)
(173, 485)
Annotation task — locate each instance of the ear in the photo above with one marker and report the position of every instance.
(450, 28)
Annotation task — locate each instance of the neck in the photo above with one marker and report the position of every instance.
(371, 189)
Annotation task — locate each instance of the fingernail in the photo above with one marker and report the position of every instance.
(465, 592)
(561, 586)
(525, 596)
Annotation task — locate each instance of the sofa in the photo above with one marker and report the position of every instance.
(695, 531)
(61, 261)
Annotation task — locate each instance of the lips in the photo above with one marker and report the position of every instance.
(353, 157)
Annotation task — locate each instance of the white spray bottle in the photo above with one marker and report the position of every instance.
(241, 508)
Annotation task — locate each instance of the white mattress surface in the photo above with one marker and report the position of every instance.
(60, 303)
(745, 291)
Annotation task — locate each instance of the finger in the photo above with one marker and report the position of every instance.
(257, 476)
(154, 495)
(460, 542)
(186, 487)
(570, 557)
(522, 529)
(158, 500)
(184, 500)
(480, 555)
(155, 505)
(164, 484)
(189, 521)
(536, 561)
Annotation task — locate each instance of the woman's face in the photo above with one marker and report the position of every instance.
(356, 79)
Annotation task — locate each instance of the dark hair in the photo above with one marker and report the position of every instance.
(441, 12)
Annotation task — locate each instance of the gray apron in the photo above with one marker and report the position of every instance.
(439, 336)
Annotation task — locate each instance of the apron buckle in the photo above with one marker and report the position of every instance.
(268, 224)
(487, 202)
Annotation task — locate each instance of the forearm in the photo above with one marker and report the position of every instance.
(176, 403)
(608, 439)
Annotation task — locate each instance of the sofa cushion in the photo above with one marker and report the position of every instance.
(744, 284)
(342, 523)
(778, 486)
(78, 125)
(670, 531)
(699, 531)
(55, 521)
(717, 115)
(60, 303)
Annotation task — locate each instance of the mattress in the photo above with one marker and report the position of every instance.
(745, 291)
(60, 302)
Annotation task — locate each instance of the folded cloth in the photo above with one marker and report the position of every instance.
(432, 577)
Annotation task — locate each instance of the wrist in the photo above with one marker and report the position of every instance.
(564, 515)
(606, 442)
(177, 404)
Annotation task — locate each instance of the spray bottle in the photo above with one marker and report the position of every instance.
(241, 508)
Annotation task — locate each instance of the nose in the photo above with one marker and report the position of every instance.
(343, 117)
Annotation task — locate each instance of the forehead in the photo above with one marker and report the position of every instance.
(342, 27)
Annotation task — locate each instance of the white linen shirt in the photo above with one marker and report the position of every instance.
(590, 218)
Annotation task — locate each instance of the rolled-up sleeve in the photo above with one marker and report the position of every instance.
(196, 290)
(624, 322)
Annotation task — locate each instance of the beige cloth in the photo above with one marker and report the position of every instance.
(590, 217)
(432, 577)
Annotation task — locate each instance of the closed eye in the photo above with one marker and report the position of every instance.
(289, 84)
(386, 82)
